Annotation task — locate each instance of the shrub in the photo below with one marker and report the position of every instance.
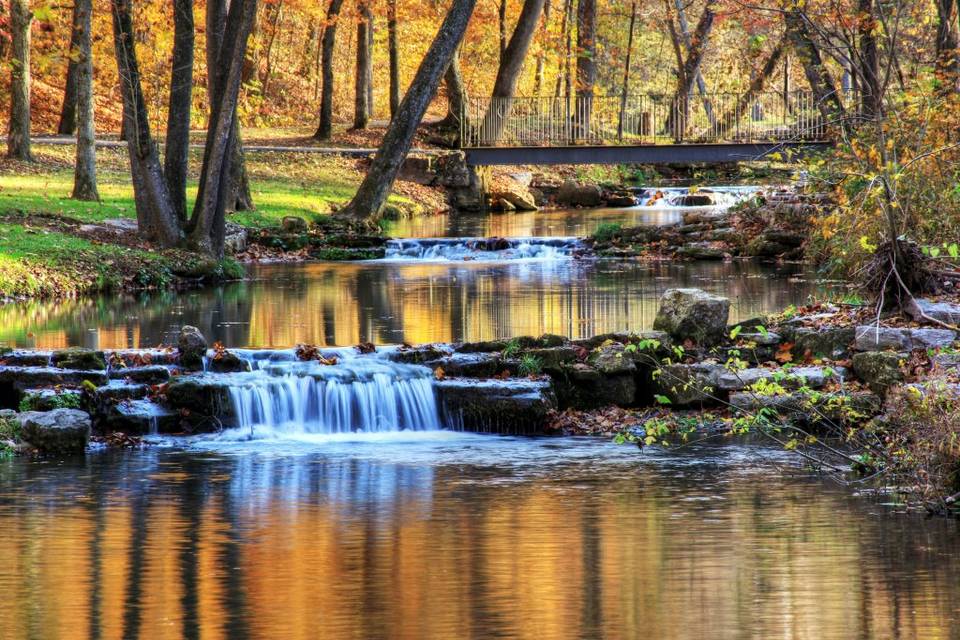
(607, 232)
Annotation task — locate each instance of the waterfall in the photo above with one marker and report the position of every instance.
(481, 249)
(367, 394)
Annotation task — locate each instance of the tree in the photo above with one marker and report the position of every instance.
(688, 72)
(176, 153)
(394, 53)
(542, 53)
(511, 63)
(948, 47)
(626, 73)
(364, 71)
(586, 63)
(156, 214)
(68, 111)
(821, 82)
(376, 186)
(871, 94)
(18, 139)
(325, 130)
(85, 169)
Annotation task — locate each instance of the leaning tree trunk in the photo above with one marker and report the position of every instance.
(586, 65)
(364, 72)
(821, 82)
(68, 111)
(394, 54)
(241, 198)
(680, 108)
(156, 218)
(948, 47)
(376, 186)
(505, 85)
(729, 119)
(18, 139)
(688, 44)
(456, 119)
(871, 93)
(85, 169)
(207, 225)
(542, 53)
(325, 130)
(176, 153)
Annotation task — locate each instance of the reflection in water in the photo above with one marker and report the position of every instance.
(460, 537)
(415, 302)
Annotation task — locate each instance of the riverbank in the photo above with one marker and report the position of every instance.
(826, 381)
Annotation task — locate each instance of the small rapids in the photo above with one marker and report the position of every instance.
(482, 249)
(284, 396)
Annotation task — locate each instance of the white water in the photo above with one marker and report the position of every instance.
(481, 249)
(285, 397)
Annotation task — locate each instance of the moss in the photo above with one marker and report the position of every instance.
(339, 253)
(48, 401)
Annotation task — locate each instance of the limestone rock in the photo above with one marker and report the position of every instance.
(693, 314)
(293, 224)
(813, 377)
(192, 347)
(228, 362)
(152, 374)
(576, 194)
(611, 360)
(79, 358)
(945, 312)
(61, 431)
(688, 384)
(828, 342)
(879, 369)
(871, 338)
(496, 406)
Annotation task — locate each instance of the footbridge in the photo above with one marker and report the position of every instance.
(645, 129)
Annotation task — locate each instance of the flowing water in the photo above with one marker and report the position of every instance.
(440, 535)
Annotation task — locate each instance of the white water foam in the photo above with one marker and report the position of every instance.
(481, 249)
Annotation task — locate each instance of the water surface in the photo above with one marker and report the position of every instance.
(442, 535)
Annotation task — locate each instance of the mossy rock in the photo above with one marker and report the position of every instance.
(79, 359)
(49, 399)
(880, 370)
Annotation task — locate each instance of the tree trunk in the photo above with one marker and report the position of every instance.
(207, 225)
(241, 198)
(677, 122)
(563, 64)
(821, 82)
(177, 149)
(361, 104)
(325, 130)
(68, 111)
(948, 47)
(871, 93)
(394, 53)
(456, 100)
(586, 64)
(18, 139)
(542, 54)
(502, 28)
(729, 119)
(626, 73)
(275, 20)
(155, 215)
(376, 186)
(85, 169)
(505, 85)
(700, 82)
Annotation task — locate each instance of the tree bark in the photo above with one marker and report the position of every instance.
(85, 169)
(18, 138)
(325, 130)
(586, 64)
(563, 64)
(207, 225)
(177, 148)
(871, 93)
(677, 122)
(729, 119)
(394, 53)
(542, 53)
(502, 28)
(275, 20)
(948, 47)
(511, 63)
(155, 215)
(363, 78)
(700, 82)
(456, 100)
(821, 82)
(626, 73)
(376, 186)
(68, 111)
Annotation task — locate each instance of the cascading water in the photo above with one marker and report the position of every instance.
(482, 249)
(358, 394)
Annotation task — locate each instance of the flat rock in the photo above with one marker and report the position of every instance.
(946, 312)
(871, 338)
(813, 377)
(688, 384)
(22, 378)
(61, 431)
(153, 374)
(515, 406)
(798, 408)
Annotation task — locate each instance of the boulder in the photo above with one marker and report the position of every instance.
(192, 347)
(809, 411)
(702, 199)
(621, 199)
(687, 384)
(78, 358)
(946, 312)
(453, 171)
(552, 359)
(828, 342)
(228, 362)
(693, 314)
(293, 224)
(872, 338)
(137, 417)
(702, 251)
(61, 431)
(418, 168)
(470, 365)
(18, 358)
(198, 398)
(576, 194)
(514, 193)
(517, 406)
(234, 238)
(581, 386)
(152, 374)
(611, 360)
(22, 378)
(879, 369)
(420, 355)
(812, 377)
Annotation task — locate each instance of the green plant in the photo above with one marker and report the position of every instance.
(512, 348)
(607, 231)
(530, 365)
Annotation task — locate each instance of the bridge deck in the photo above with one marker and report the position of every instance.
(715, 153)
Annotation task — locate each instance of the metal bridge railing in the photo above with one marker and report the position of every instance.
(641, 119)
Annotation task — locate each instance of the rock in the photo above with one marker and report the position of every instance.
(117, 391)
(471, 365)
(482, 347)
(621, 199)
(452, 170)
(518, 406)
(945, 312)
(61, 431)
(871, 338)
(827, 342)
(786, 238)
(78, 358)
(234, 239)
(418, 168)
(702, 199)
(812, 377)
(699, 217)
(611, 360)
(693, 314)
(944, 361)
(144, 357)
(293, 224)
(576, 194)
(153, 374)
(702, 251)
(514, 193)
(688, 384)
(809, 411)
(552, 359)
(200, 400)
(581, 386)
(22, 378)
(501, 204)
(228, 362)
(137, 417)
(552, 340)
(18, 358)
(420, 355)
(762, 248)
(879, 369)
(49, 399)
(192, 347)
